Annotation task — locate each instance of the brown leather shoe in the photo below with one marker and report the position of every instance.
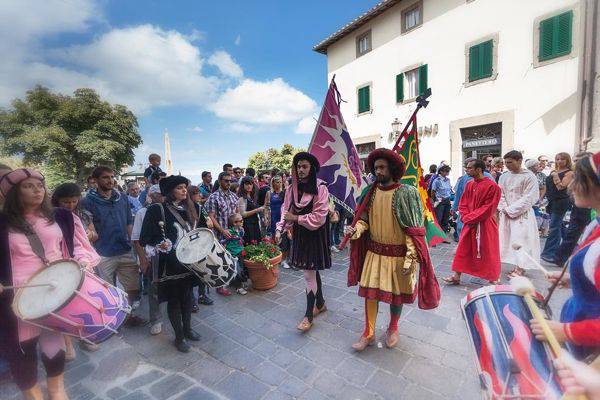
(317, 311)
(304, 325)
(391, 339)
(363, 342)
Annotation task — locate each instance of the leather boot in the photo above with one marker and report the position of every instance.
(391, 339)
(35, 393)
(56, 388)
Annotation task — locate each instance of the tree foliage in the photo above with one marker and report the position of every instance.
(274, 158)
(68, 135)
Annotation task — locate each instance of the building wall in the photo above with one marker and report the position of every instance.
(538, 104)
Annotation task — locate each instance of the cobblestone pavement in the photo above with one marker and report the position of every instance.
(250, 349)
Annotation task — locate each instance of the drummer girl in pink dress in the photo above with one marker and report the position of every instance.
(27, 212)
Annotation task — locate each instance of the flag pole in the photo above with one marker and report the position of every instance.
(422, 102)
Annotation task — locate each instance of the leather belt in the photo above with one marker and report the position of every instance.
(389, 250)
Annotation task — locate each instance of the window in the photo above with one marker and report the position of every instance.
(481, 60)
(363, 44)
(555, 36)
(364, 99)
(412, 17)
(411, 84)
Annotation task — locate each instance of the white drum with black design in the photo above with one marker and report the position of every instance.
(201, 252)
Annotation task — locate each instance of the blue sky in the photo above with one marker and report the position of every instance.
(226, 78)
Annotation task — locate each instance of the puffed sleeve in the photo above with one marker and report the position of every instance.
(151, 233)
(83, 251)
(317, 217)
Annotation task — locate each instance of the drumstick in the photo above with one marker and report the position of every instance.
(517, 247)
(524, 287)
(53, 286)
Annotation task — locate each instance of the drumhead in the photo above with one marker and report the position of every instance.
(195, 246)
(36, 302)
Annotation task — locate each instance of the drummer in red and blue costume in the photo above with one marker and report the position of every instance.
(27, 210)
(579, 325)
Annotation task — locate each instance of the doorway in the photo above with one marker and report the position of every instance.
(478, 141)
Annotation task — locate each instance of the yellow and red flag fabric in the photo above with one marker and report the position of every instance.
(409, 151)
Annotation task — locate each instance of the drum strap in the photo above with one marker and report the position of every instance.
(36, 246)
(177, 216)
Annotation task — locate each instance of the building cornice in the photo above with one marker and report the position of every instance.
(373, 12)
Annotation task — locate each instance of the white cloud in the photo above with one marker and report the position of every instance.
(238, 40)
(239, 127)
(145, 67)
(306, 125)
(226, 65)
(141, 66)
(197, 129)
(270, 102)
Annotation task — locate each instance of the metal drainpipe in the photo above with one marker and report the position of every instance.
(588, 65)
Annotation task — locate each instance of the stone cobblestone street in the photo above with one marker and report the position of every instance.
(250, 349)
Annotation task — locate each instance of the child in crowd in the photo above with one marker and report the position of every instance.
(235, 245)
(154, 167)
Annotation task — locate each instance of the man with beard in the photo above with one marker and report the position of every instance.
(305, 211)
(478, 251)
(388, 242)
(113, 221)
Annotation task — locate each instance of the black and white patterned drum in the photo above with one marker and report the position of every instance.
(201, 252)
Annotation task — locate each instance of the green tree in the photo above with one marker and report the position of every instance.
(68, 135)
(274, 158)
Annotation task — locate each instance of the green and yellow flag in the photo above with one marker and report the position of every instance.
(414, 176)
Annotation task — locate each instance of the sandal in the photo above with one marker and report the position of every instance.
(304, 325)
(317, 311)
(515, 272)
(451, 280)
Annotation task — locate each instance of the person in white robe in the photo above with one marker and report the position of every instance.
(517, 223)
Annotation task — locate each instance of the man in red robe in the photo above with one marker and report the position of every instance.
(478, 251)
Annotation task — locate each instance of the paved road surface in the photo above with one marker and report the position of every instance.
(250, 349)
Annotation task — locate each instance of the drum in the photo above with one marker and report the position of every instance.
(78, 303)
(200, 251)
(511, 362)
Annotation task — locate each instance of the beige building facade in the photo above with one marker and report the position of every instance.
(504, 75)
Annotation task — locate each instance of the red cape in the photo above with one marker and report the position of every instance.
(428, 288)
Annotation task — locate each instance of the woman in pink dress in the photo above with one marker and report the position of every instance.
(27, 211)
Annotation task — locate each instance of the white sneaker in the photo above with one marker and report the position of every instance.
(156, 328)
(285, 265)
(241, 291)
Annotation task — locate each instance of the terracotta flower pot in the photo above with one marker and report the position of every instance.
(262, 278)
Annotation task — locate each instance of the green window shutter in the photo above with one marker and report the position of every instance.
(563, 32)
(473, 63)
(399, 88)
(481, 60)
(546, 35)
(487, 56)
(422, 79)
(556, 36)
(364, 100)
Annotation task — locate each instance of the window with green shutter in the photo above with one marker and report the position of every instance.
(399, 88)
(364, 99)
(481, 58)
(422, 79)
(556, 36)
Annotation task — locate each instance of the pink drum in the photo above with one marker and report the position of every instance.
(74, 302)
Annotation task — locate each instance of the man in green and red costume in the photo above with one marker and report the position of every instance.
(388, 248)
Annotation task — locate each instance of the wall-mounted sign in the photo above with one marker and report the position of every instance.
(467, 144)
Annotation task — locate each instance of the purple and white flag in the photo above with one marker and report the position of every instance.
(331, 144)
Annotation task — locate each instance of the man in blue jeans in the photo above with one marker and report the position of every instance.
(441, 190)
(114, 222)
